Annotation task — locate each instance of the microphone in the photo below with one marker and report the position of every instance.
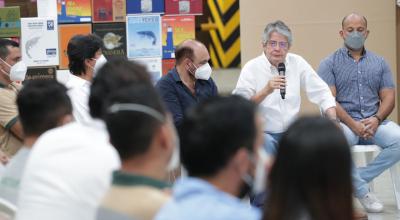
(282, 70)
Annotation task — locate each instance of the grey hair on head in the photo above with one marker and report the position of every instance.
(279, 27)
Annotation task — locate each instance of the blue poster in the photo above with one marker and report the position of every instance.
(143, 36)
(144, 6)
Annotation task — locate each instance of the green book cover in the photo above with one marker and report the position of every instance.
(10, 24)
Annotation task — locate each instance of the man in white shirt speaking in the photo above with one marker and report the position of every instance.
(278, 92)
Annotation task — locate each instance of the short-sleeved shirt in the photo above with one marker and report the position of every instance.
(357, 82)
(178, 97)
(134, 195)
(9, 143)
(197, 199)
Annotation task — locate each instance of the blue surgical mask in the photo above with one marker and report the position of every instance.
(355, 40)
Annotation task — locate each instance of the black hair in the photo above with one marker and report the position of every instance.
(41, 105)
(213, 131)
(131, 132)
(114, 75)
(80, 48)
(4, 44)
(312, 173)
(182, 52)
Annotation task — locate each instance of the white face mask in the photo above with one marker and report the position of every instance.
(17, 71)
(260, 174)
(203, 72)
(174, 161)
(257, 183)
(99, 63)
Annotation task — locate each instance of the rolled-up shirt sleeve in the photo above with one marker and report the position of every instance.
(246, 85)
(316, 89)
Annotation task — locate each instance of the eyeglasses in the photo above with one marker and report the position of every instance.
(274, 44)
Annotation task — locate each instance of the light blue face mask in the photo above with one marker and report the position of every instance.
(355, 40)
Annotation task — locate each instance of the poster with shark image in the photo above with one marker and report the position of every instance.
(39, 41)
(143, 36)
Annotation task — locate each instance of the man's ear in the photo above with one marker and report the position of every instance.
(341, 33)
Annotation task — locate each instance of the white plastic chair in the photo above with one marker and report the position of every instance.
(368, 151)
(7, 210)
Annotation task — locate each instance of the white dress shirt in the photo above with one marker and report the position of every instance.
(68, 173)
(279, 113)
(78, 92)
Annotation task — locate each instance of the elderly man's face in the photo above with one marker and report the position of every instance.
(276, 48)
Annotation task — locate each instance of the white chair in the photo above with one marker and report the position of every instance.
(7, 210)
(368, 151)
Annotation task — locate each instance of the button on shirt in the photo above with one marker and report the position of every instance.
(357, 82)
(178, 97)
(279, 113)
(196, 199)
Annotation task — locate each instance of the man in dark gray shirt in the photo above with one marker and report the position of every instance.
(364, 89)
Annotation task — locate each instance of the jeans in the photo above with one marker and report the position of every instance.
(387, 137)
(270, 146)
(271, 142)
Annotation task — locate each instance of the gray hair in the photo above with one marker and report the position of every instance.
(279, 27)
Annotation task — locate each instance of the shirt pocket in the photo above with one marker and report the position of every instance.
(373, 78)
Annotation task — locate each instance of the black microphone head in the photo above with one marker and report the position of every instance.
(281, 67)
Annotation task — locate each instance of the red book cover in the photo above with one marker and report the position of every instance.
(183, 7)
(167, 65)
(109, 10)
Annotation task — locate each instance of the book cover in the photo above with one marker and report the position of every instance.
(39, 41)
(144, 6)
(66, 32)
(175, 7)
(114, 38)
(74, 11)
(27, 8)
(167, 65)
(143, 36)
(109, 10)
(47, 8)
(176, 29)
(35, 73)
(10, 24)
(153, 66)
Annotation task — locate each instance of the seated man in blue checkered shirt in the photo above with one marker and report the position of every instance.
(364, 89)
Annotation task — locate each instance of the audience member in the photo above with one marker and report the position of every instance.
(311, 176)
(144, 136)
(85, 59)
(42, 105)
(13, 70)
(70, 168)
(221, 140)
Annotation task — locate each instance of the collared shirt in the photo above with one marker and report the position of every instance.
(68, 173)
(9, 143)
(78, 92)
(178, 97)
(11, 178)
(137, 196)
(279, 113)
(194, 198)
(357, 82)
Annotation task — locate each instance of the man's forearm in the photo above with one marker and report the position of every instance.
(261, 95)
(387, 103)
